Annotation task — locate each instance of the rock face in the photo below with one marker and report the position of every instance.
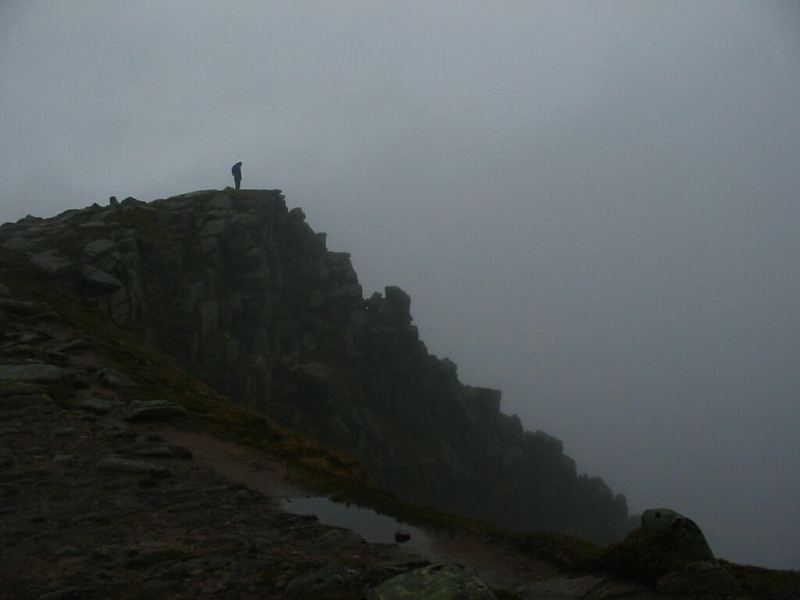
(245, 296)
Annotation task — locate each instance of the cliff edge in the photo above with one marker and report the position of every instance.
(246, 297)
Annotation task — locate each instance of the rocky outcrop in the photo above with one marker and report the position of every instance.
(673, 529)
(245, 296)
(670, 550)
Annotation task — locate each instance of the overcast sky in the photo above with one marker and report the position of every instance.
(595, 206)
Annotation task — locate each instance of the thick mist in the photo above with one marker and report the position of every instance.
(594, 206)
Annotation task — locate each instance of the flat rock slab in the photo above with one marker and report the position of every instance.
(75, 345)
(322, 582)
(188, 195)
(162, 451)
(117, 464)
(99, 406)
(99, 280)
(443, 582)
(50, 261)
(93, 224)
(220, 201)
(113, 378)
(96, 248)
(36, 373)
(22, 307)
(25, 401)
(154, 410)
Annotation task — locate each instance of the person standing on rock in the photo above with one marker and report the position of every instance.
(236, 171)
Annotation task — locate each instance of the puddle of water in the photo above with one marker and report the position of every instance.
(372, 526)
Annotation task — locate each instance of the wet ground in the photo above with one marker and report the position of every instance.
(502, 567)
(374, 527)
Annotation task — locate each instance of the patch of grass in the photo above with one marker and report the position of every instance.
(644, 557)
(566, 552)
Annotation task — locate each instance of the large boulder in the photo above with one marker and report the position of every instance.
(673, 529)
(443, 582)
(665, 542)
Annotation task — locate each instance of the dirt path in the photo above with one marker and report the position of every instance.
(234, 463)
(500, 566)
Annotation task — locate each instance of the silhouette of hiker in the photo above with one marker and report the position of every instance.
(236, 171)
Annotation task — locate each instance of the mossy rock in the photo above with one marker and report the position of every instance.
(666, 542)
(435, 582)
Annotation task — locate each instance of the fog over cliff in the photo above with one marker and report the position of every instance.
(594, 206)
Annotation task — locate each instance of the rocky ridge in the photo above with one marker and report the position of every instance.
(245, 296)
(104, 493)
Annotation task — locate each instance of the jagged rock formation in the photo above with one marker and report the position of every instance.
(245, 296)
